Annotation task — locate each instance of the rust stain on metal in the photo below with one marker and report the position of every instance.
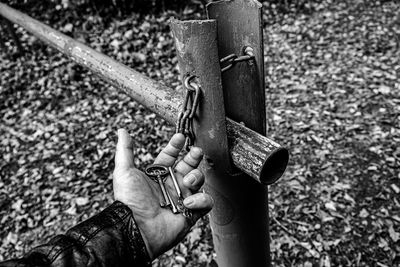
(180, 46)
(57, 39)
(211, 133)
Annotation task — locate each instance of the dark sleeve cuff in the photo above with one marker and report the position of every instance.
(110, 238)
(116, 222)
(136, 242)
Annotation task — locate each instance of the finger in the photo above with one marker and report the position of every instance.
(168, 155)
(202, 202)
(194, 180)
(124, 153)
(190, 161)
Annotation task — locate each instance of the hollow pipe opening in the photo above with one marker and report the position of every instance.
(274, 166)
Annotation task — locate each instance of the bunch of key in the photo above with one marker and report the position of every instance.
(159, 174)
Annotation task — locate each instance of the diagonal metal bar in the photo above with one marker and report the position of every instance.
(256, 155)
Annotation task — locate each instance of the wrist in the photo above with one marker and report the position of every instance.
(137, 240)
(148, 244)
(143, 232)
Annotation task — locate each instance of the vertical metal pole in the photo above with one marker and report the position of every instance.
(244, 239)
(197, 52)
(239, 219)
(233, 217)
(239, 25)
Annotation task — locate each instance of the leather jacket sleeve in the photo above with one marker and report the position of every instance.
(110, 238)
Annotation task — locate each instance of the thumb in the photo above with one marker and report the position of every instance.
(124, 153)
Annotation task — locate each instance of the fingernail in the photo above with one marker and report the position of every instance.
(188, 202)
(190, 179)
(119, 132)
(196, 152)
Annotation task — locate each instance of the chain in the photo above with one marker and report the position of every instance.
(232, 59)
(184, 123)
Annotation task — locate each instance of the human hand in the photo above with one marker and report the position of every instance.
(160, 228)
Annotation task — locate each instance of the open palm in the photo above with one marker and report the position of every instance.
(160, 228)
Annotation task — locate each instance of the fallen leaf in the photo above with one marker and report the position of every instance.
(330, 205)
(395, 236)
(363, 213)
(81, 201)
(383, 89)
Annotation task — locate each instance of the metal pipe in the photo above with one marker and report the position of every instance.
(236, 244)
(160, 99)
(155, 96)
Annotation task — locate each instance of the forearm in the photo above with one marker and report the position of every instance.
(111, 238)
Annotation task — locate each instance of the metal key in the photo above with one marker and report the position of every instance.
(186, 212)
(173, 206)
(158, 174)
(175, 182)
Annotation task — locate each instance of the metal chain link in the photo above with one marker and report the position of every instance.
(184, 123)
(232, 59)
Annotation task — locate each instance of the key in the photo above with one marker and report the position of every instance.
(173, 206)
(158, 174)
(186, 212)
(175, 182)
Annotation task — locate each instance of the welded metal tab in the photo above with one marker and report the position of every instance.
(239, 25)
